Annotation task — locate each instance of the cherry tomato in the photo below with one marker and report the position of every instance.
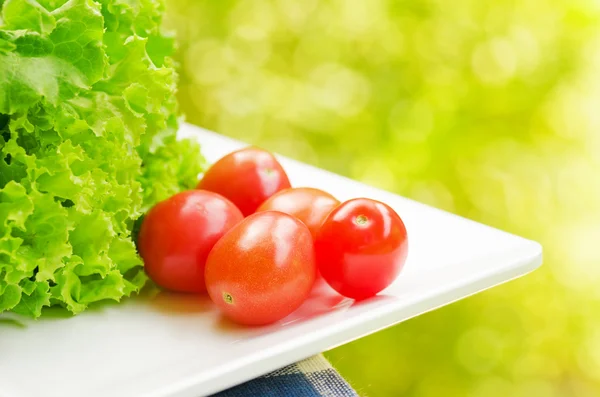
(263, 269)
(361, 247)
(177, 234)
(309, 205)
(247, 177)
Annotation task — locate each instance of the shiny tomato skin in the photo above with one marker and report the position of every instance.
(247, 177)
(262, 270)
(177, 235)
(309, 205)
(361, 248)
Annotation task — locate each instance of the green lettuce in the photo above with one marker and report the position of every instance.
(88, 122)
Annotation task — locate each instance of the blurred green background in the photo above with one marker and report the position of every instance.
(489, 109)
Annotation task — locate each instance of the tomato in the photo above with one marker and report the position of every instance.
(309, 205)
(361, 247)
(247, 177)
(177, 234)
(263, 269)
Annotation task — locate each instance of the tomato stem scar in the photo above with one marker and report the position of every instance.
(360, 220)
(269, 171)
(228, 298)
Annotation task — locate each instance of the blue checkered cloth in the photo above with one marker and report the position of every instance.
(313, 377)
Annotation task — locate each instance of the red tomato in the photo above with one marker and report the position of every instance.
(309, 205)
(247, 177)
(263, 269)
(361, 248)
(177, 234)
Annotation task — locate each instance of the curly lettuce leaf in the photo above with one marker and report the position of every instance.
(88, 120)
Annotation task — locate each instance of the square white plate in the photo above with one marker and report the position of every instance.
(173, 345)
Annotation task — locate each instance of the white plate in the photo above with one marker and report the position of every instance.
(179, 346)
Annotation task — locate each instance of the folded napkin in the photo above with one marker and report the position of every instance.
(313, 377)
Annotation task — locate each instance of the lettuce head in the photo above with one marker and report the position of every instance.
(88, 119)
